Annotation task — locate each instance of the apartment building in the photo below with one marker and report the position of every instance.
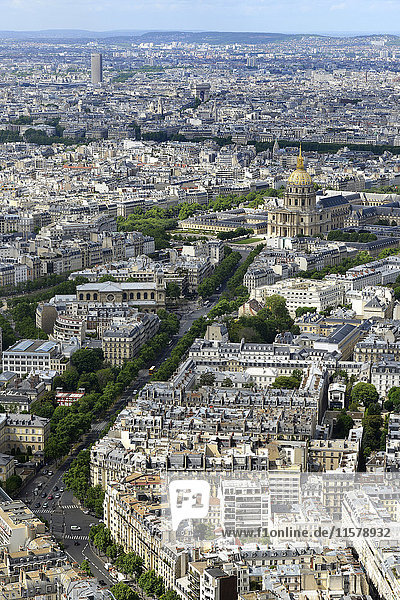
(34, 355)
(393, 443)
(7, 466)
(7, 274)
(376, 349)
(258, 277)
(211, 583)
(331, 455)
(43, 553)
(123, 340)
(303, 292)
(281, 357)
(371, 302)
(67, 327)
(385, 374)
(18, 525)
(136, 525)
(364, 509)
(21, 432)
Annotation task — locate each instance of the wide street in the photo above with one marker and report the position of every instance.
(200, 311)
(46, 493)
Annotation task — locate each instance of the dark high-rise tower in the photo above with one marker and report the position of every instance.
(97, 68)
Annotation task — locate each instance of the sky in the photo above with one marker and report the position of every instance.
(286, 16)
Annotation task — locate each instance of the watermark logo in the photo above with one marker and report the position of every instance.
(189, 499)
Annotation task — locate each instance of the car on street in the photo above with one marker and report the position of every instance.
(75, 528)
(102, 582)
(77, 544)
(49, 473)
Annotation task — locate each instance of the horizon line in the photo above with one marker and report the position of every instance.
(172, 30)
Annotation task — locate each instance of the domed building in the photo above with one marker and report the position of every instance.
(301, 214)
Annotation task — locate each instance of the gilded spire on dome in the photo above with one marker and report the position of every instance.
(300, 161)
(300, 176)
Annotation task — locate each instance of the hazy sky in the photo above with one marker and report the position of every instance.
(217, 15)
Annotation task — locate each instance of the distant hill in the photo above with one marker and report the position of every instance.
(68, 34)
(199, 37)
(191, 37)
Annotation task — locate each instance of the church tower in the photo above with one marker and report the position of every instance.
(275, 149)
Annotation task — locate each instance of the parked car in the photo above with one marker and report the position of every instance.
(50, 497)
(43, 494)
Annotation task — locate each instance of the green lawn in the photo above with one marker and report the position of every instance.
(248, 241)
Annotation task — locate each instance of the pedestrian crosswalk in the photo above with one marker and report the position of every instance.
(55, 508)
(81, 538)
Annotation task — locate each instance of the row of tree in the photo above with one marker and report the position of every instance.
(236, 293)
(36, 284)
(328, 147)
(229, 201)
(77, 479)
(169, 365)
(362, 258)
(226, 267)
(238, 232)
(235, 286)
(102, 383)
(131, 564)
(362, 237)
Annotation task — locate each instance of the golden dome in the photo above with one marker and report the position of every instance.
(300, 175)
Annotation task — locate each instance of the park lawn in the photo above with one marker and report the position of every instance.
(248, 241)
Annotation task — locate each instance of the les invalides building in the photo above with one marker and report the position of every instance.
(301, 213)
